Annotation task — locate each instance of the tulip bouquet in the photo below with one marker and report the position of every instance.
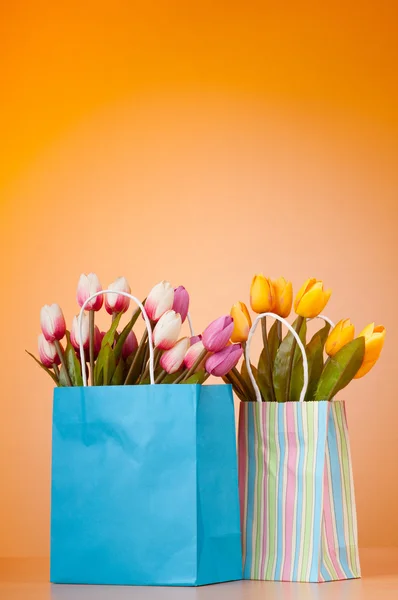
(115, 356)
(279, 372)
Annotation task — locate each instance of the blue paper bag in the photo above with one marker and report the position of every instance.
(144, 486)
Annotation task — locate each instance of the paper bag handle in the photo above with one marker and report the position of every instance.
(147, 324)
(299, 343)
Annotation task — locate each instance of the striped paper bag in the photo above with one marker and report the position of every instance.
(297, 500)
(296, 490)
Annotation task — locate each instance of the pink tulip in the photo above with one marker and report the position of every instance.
(116, 303)
(216, 335)
(167, 330)
(172, 359)
(181, 302)
(52, 322)
(193, 354)
(130, 345)
(87, 286)
(74, 332)
(159, 299)
(47, 352)
(194, 339)
(220, 363)
(98, 337)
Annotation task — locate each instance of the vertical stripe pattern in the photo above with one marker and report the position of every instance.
(296, 489)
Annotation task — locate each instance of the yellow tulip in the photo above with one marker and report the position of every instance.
(374, 342)
(311, 299)
(283, 297)
(262, 295)
(340, 335)
(242, 322)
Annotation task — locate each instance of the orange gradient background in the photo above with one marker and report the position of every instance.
(200, 143)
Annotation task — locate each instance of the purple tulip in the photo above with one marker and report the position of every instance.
(216, 335)
(220, 363)
(195, 339)
(181, 302)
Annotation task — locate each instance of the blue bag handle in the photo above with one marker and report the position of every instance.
(299, 343)
(147, 324)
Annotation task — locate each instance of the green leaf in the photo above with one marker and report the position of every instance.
(48, 371)
(263, 377)
(109, 337)
(118, 376)
(198, 377)
(101, 367)
(109, 365)
(340, 369)
(63, 382)
(246, 377)
(282, 362)
(315, 350)
(297, 380)
(72, 363)
(125, 332)
(273, 341)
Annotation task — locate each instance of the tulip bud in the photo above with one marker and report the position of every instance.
(340, 335)
(52, 322)
(116, 303)
(193, 354)
(160, 299)
(130, 345)
(262, 296)
(47, 352)
(283, 292)
(181, 302)
(194, 339)
(167, 330)
(216, 335)
(311, 299)
(374, 342)
(220, 363)
(74, 332)
(242, 322)
(172, 359)
(87, 286)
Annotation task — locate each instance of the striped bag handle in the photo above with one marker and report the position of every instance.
(147, 324)
(299, 343)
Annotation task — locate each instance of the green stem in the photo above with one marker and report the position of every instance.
(267, 352)
(279, 331)
(191, 371)
(145, 363)
(156, 355)
(137, 357)
(60, 353)
(91, 318)
(238, 391)
(242, 383)
(56, 371)
(160, 377)
(299, 324)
